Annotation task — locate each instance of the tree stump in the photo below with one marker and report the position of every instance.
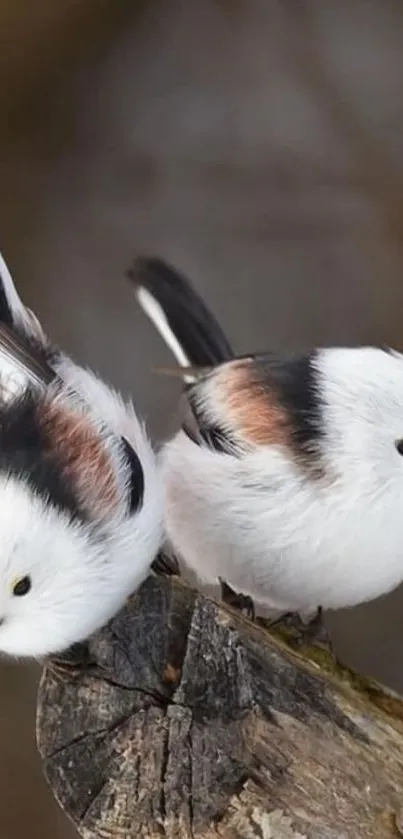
(186, 720)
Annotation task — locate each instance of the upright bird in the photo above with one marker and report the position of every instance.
(286, 478)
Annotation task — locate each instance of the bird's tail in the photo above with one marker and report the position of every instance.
(180, 316)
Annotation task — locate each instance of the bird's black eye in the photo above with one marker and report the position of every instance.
(399, 446)
(22, 587)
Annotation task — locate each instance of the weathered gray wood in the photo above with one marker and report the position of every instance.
(186, 720)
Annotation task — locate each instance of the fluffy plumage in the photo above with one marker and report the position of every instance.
(286, 479)
(81, 504)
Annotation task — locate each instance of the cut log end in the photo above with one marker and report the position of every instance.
(187, 720)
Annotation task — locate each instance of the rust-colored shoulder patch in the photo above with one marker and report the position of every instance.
(83, 457)
(251, 408)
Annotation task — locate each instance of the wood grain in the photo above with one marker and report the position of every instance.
(187, 720)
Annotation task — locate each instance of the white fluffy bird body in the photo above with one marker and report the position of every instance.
(287, 482)
(81, 512)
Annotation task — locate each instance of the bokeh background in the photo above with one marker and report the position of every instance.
(256, 144)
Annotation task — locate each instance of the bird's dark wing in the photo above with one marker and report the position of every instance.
(258, 400)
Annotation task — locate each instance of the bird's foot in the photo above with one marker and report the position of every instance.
(242, 602)
(166, 565)
(311, 633)
(70, 663)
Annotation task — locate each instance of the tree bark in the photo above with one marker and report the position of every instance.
(187, 720)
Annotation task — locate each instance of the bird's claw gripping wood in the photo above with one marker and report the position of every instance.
(191, 722)
(242, 602)
(302, 634)
(166, 565)
(71, 662)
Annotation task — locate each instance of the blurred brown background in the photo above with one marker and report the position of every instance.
(258, 145)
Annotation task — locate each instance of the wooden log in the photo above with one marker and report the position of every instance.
(185, 719)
